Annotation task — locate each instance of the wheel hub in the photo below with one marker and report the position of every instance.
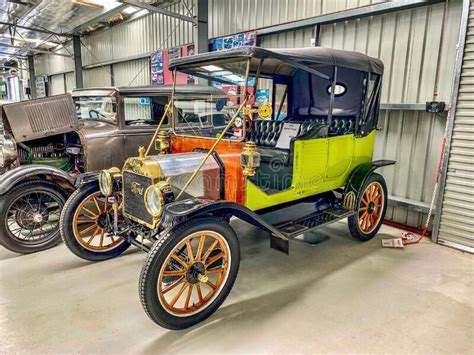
(103, 220)
(37, 217)
(196, 273)
(371, 207)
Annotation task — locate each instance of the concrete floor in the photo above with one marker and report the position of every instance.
(338, 296)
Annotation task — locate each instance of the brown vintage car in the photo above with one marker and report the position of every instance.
(47, 143)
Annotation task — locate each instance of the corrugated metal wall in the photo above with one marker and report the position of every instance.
(143, 35)
(457, 218)
(70, 81)
(97, 77)
(137, 37)
(418, 49)
(135, 72)
(231, 16)
(56, 84)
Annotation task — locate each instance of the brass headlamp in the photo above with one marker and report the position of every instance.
(162, 143)
(250, 158)
(106, 180)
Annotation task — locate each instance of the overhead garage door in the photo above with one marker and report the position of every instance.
(457, 214)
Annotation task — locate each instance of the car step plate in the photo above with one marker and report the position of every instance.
(312, 221)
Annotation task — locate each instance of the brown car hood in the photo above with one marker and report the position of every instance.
(34, 119)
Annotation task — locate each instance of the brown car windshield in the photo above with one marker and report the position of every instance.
(103, 108)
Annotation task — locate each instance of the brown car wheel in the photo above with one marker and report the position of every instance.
(29, 216)
(85, 223)
(189, 273)
(365, 224)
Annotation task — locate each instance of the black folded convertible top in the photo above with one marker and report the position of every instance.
(310, 57)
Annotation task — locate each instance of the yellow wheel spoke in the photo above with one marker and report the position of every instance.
(199, 292)
(84, 231)
(89, 211)
(179, 260)
(97, 204)
(209, 250)
(202, 240)
(215, 258)
(189, 248)
(101, 243)
(215, 271)
(211, 285)
(188, 296)
(178, 295)
(93, 236)
(174, 273)
(85, 220)
(106, 203)
(173, 285)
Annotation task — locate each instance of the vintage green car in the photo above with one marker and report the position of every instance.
(288, 164)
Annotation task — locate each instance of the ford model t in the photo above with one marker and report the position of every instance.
(289, 164)
(47, 143)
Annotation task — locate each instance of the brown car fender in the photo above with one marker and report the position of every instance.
(35, 172)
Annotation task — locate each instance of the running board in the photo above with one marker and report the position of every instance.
(292, 229)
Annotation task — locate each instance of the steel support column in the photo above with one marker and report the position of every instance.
(201, 36)
(76, 42)
(32, 80)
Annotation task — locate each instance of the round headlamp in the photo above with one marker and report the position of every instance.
(106, 181)
(154, 200)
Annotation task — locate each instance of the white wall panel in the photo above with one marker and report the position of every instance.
(56, 84)
(232, 16)
(97, 77)
(456, 224)
(70, 81)
(132, 73)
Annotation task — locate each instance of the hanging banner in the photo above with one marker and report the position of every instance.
(156, 64)
(235, 41)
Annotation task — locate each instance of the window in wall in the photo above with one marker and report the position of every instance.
(144, 111)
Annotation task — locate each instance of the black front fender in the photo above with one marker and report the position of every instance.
(33, 172)
(180, 211)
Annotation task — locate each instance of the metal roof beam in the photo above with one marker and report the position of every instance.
(35, 29)
(159, 10)
(346, 15)
(32, 50)
(100, 18)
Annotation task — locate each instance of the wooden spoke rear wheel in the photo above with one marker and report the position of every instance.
(189, 273)
(87, 225)
(365, 224)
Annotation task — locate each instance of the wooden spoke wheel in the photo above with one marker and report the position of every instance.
(194, 272)
(365, 224)
(189, 273)
(92, 219)
(371, 206)
(87, 225)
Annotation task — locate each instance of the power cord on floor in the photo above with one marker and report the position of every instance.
(409, 238)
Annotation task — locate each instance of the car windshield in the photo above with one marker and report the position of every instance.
(204, 116)
(209, 115)
(96, 108)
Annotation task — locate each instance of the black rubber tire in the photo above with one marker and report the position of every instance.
(353, 220)
(8, 240)
(160, 250)
(67, 229)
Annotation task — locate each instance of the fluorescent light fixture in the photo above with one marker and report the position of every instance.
(130, 10)
(212, 68)
(142, 12)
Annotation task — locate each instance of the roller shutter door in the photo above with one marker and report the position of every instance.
(456, 227)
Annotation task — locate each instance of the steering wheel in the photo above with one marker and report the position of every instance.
(96, 112)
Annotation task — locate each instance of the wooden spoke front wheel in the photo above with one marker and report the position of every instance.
(91, 221)
(194, 272)
(189, 272)
(87, 225)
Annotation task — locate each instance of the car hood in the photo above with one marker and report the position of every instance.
(34, 119)
(94, 129)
